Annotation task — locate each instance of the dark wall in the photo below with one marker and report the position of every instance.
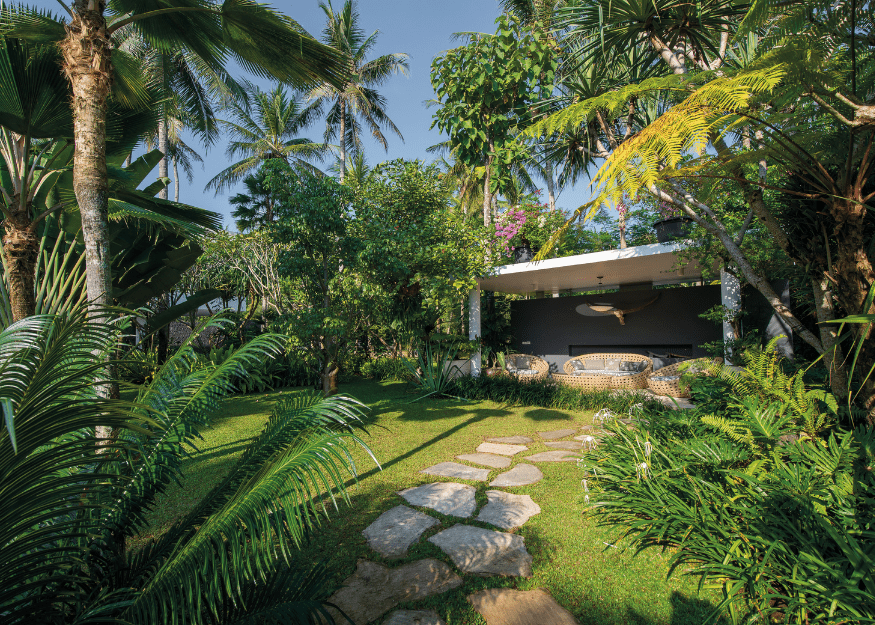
(552, 329)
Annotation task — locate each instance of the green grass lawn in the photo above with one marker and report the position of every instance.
(573, 560)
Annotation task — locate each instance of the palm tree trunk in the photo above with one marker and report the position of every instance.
(175, 181)
(551, 189)
(21, 246)
(487, 185)
(88, 65)
(162, 147)
(342, 138)
(832, 352)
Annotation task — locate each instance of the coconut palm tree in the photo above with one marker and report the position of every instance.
(254, 35)
(355, 99)
(265, 125)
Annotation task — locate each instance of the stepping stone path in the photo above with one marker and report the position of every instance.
(499, 448)
(395, 530)
(374, 589)
(553, 435)
(459, 471)
(520, 475)
(488, 460)
(559, 455)
(484, 552)
(571, 445)
(504, 606)
(507, 511)
(512, 440)
(444, 497)
(414, 617)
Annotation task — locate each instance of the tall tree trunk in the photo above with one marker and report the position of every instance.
(88, 65)
(21, 246)
(342, 139)
(164, 332)
(832, 353)
(175, 180)
(487, 186)
(622, 225)
(551, 189)
(162, 147)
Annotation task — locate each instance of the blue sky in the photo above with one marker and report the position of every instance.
(420, 28)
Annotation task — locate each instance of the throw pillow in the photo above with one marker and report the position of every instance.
(523, 362)
(576, 365)
(594, 364)
(612, 365)
(629, 365)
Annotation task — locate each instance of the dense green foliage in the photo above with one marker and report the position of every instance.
(76, 501)
(759, 501)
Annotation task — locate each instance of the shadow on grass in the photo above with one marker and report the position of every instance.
(547, 414)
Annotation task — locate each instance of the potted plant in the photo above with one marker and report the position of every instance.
(673, 226)
(490, 369)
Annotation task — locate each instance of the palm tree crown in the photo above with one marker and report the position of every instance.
(265, 125)
(356, 101)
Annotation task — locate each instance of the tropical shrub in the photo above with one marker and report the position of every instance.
(433, 370)
(760, 502)
(547, 393)
(385, 368)
(72, 502)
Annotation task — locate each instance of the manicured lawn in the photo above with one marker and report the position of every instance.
(600, 584)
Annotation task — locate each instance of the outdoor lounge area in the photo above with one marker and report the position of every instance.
(618, 319)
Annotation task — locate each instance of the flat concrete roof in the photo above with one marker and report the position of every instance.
(655, 264)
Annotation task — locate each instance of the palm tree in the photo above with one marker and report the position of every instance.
(265, 125)
(257, 37)
(355, 99)
(252, 209)
(64, 551)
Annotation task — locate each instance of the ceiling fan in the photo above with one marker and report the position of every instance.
(619, 313)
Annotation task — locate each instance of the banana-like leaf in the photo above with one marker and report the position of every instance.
(193, 302)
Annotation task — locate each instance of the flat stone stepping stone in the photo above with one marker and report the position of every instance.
(414, 617)
(569, 445)
(511, 440)
(505, 606)
(506, 510)
(396, 529)
(500, 448)
(554, 434)
(521, 475)
(459, 471)
(586, 428)
(374, 589)
(485, 552)
(444, 497)
(559, 455)
(489, 460)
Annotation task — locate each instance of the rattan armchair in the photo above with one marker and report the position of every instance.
(540, 365)
(595, 381)
(673, 388)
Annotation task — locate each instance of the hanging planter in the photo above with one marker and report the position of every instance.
(673, 229)
(523, 253)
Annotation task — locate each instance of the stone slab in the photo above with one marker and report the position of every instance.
(505, 606)
(506, 510)
(567, 445)
(488, 460)
(458, 471)
(521, 475)
(558, 455)
(396, 529)
(444, 497)
(500, 448)
(485, 552)
(511, 440)
(554, 434)
(414, 617)
(374, 589)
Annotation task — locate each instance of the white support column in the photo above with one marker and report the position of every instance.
(730, 295)
(474, 328)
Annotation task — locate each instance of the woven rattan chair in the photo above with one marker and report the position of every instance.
(538, 364)
(672, 388)
(638, 380)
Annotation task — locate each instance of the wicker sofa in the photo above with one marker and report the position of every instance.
(667, 380)
(596, 372)
(537, 368)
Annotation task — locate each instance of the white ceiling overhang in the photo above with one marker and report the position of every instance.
(655, 264)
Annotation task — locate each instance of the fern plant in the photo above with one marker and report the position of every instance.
(71, 502)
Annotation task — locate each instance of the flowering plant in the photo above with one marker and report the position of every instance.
(508, 226)
(667, 210)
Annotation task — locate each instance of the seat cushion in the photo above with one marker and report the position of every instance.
(526, 372)
(523, 362)
(631, 365)
(665, 378)
(612, 364)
